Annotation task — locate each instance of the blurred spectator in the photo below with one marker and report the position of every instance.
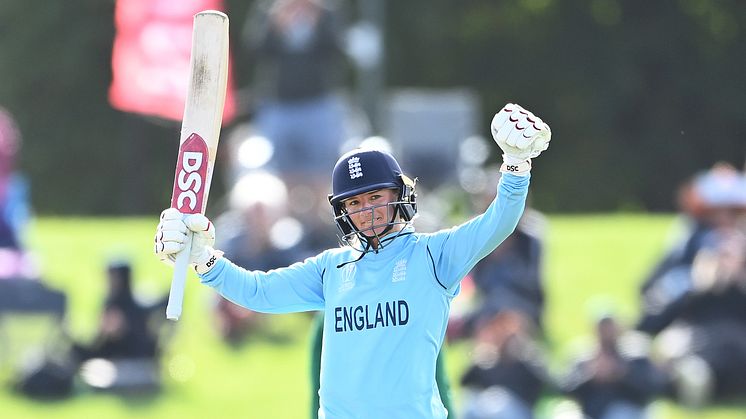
(709, 202)
(42, 373)
(124, 353)
(511, 275)
(507, 374)
(262, 236)
(509, 278)
(298, 48)
(618, 380)
(15, 262)
(694, 301)
(704, 347)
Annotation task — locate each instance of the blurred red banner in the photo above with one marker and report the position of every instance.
(150, 59)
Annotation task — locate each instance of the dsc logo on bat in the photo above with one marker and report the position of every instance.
(191, 173)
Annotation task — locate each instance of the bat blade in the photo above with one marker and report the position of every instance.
(200, 132)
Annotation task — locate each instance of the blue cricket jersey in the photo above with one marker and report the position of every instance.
(385, 315)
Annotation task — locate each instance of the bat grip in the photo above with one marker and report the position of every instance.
(178, 281)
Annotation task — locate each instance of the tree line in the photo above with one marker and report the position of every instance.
(640, 95)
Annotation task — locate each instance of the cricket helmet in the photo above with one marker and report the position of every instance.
(365, 170)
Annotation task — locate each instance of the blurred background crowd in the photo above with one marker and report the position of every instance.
(640, 97)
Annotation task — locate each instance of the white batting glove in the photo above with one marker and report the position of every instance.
(521, 136)
(171, 234)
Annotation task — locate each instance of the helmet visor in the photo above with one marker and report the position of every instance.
(371, 223)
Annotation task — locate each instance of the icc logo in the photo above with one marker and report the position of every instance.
(191, 172)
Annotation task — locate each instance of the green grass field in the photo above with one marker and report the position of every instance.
(589, 259)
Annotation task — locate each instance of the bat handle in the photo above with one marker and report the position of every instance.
(178, 281)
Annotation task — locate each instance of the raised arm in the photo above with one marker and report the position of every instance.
(521, 136)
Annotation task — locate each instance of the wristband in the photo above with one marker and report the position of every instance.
(213, 256)
(516, 167)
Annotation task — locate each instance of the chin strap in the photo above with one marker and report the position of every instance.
(368, 246)
(362, 253)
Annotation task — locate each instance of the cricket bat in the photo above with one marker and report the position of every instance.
(200, 130)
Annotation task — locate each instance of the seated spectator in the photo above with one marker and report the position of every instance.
(709, 202)
(704, 346)
(694, 301)
(507, 374)
(617, 380)
(127, 340)
(15, 262)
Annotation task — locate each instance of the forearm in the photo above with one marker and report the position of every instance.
(501, 217)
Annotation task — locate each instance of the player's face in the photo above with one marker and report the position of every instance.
(370, 211)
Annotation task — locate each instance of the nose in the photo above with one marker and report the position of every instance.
(368, 211)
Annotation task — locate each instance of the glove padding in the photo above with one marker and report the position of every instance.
(171, 234)
(520, 135)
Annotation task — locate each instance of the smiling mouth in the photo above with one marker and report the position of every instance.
(374, 223)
